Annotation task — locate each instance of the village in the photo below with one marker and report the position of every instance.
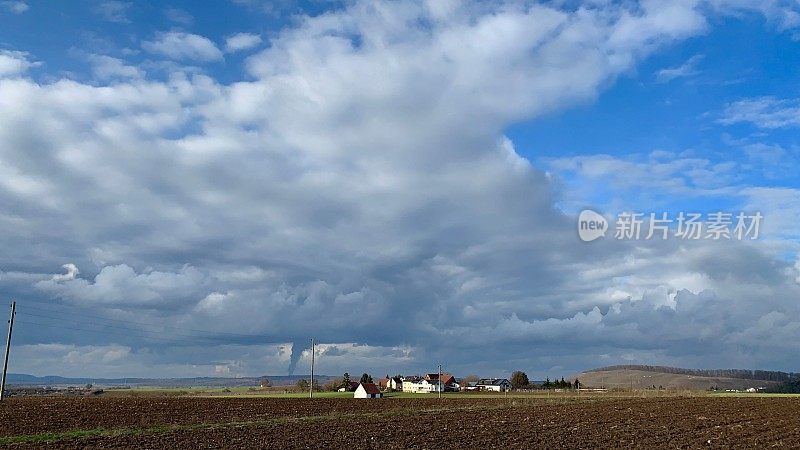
(427, 384)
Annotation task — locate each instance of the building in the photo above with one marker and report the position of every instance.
(422, 386)
(367, 390)
(448, 380)
(470, 386)
(493, 384)
(351, 387)
(391, 383)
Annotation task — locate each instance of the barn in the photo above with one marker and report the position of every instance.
(367, 390)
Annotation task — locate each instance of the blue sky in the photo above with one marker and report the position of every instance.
(734, 58)
(197, 188)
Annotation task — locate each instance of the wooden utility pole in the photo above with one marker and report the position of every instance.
(311, 388)
(8, 348)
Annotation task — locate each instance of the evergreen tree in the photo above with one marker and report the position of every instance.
(346, 380)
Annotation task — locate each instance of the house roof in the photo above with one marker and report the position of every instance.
(447, 378)
(371, 388)
(492, 381)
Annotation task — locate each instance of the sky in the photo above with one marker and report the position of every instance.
(199, 188)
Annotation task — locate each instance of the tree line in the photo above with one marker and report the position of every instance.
(335, 384)
(519, 380)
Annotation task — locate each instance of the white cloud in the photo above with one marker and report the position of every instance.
(72, 272)
(783, 13)
(121, 285)
(16, 7)
(178, 15)
(781, 209)
(13, 63)
(118, 361)
(114, 10)
(643, 181)
(183, 46)
(106, 67)
(359, 189)
(763, 112)
(687, 69)
(242, 41)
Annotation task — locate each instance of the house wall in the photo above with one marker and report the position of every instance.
(423, 387)
(493, 387)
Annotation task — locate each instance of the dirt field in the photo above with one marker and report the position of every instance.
(677, 422)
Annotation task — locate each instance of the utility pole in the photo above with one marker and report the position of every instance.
(8, 348)
(440, 381)
(311, 388)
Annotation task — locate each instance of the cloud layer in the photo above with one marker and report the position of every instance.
(360, 189)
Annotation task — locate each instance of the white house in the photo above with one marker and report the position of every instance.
(494, 384)
(367, 390)
(423, 386)
(391, 383)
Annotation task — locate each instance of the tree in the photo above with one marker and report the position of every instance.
(546, 384)
(519, 380)
(469, 379)
(346, 381)
(366, 378)
(302, 384)
(333, 385)
(577, 384)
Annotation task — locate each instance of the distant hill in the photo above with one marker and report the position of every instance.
(21, 379)
(642, 377)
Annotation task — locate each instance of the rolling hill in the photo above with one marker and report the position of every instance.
(643, 377)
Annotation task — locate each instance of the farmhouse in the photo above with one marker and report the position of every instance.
(493, 384)
(367, 390)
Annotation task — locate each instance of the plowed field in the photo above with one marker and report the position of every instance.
(670, 422)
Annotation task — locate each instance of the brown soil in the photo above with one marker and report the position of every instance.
(677, 422)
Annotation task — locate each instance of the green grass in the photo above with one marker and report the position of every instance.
(751, 394)
(247, 392)
(177, 391)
